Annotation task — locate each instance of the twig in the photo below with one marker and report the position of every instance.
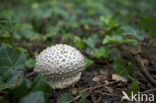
(93, 98)
(30, 74)
(108, 94)
(98, 100)
(90, 88)
(97, 86)
(79, 97)
(148, 91)
(144, 71)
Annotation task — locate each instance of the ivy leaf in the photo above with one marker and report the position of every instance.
(39, 83)
(34, 97)
(88, 62)
(109, 22)
(52, 31)
(10, 58)
(28, 83)
(16, 91)
(30, 62)
(79, 42)
(66, 36)
(105, 19)
(92, 41)
(116, 39)
(102, 52)
(114, 54)
(26, 31)
(149, 23)
(10, 78)
(130, 31)
(108, 39)
(65, 98)
(122, 69)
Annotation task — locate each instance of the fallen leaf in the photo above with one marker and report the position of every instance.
(96, 79)
(99, 79)
(118, 78)
(74, 90)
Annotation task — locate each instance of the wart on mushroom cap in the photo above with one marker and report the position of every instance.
(61, 65)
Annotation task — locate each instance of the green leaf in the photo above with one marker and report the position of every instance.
(9, 28)
(26, 26)
(108, 39)
(130, 31)
(149, 23)
(105, 19)
(88, 62)
(16, 91)
(122, 69)
(28, 83)
(10, 78)
(52, 31)
(26, 31)
(89, 50)
(112, 24)
(30, 62)
(114, 54)
(135, 88)
(92, 41)
(11, 59)
(65, 98)
(21, 49)
(117, 39)
(79, 42)
(109, 22)
(34, 97)
(3, 100)
(67, 36)
(31, 35)
(102, 52)
(40, 83)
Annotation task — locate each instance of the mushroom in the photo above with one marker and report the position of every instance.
(61, 65)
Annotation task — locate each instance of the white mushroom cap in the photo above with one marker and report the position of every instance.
(61, 64)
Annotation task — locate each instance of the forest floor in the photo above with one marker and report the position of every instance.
(96, 83)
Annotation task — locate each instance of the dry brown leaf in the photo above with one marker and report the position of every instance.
(96, 79)
(118, 78)
(74, 90)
